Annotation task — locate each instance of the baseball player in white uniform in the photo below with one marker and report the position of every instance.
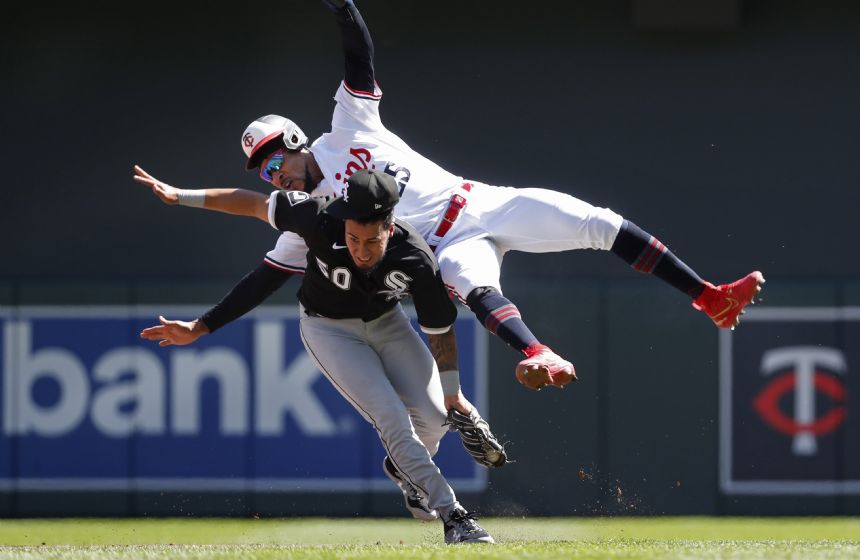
(360, 263)
(469, 225)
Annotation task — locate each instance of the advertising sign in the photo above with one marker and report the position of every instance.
(86, 404)
(790, 402)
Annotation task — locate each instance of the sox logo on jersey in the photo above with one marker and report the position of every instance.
(398, 281)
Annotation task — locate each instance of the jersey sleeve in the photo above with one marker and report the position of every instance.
(250, 292)
(357, 110)
(434, 307)
(289, 254)
(357, 46)
(294, 211)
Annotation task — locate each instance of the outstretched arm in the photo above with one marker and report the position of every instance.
(251, 291)
(230, 201)
(357, 45)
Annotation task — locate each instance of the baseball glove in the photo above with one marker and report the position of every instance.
(477, 438)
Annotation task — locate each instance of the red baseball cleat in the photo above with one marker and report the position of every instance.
(544, 367)
(725, 304)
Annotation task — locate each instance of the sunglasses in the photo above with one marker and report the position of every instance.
(274, 164)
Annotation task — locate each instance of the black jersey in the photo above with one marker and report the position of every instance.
(334, 287)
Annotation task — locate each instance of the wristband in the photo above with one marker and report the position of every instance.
(450, 382)
(191, 197)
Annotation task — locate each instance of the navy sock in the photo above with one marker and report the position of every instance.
(645, 253)
(501, 317)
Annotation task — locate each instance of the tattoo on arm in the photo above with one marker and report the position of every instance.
(444, 350)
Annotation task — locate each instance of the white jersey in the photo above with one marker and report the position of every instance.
(358, 140)
(486, 221)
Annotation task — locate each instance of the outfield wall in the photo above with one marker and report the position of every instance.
(669, 415)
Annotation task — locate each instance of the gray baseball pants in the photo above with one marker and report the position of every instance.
(384, 369)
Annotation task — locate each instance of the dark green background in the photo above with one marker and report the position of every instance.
(736, 147)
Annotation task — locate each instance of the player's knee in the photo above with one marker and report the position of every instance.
(484, 300)
(479, 293)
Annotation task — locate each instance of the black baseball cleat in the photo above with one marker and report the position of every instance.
(415, 501)
(460, 527)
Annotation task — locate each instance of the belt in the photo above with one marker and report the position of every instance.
(449, 216)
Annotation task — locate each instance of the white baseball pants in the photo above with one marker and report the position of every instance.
(501, 219)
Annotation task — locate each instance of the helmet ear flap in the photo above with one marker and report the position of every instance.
(294, 138)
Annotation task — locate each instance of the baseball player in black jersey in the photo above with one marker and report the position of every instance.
(360, 263)
(347, 276)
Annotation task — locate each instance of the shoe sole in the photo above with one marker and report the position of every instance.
(483, 540)
(537, 377)
(759, 278)
(486, 539)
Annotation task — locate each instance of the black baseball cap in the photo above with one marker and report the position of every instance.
(369, 193)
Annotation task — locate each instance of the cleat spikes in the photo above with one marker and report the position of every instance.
(544, 367)
(725, 304)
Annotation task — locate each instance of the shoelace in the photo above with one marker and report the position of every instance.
(466, 519)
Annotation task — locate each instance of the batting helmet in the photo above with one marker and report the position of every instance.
(260, 138)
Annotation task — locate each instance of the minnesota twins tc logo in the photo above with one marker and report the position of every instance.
(802, 374)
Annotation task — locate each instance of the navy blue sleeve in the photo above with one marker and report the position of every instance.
(357, 46)
(251, 291)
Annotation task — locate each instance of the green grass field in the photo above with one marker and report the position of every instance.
(532, 538)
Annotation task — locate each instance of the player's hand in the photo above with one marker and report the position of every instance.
(459, 403)
(166, 193)
(179, 333)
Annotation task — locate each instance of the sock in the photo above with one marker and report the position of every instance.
(501, 317)
(645, 253)
(445, 511)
